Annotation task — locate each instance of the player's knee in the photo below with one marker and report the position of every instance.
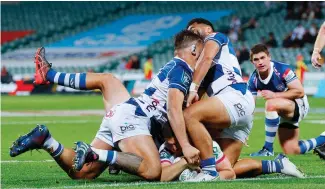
(106, 79)
(189, 115)
(271, 105)
(152, 170)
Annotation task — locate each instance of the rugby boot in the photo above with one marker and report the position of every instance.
(32, 140)
(84, 154)
(288, 168)
(42, 66)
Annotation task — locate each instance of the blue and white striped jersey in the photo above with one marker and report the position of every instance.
(153, 102)
(225, 69)
(280, 76)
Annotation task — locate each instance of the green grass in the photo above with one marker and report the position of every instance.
(69, 129)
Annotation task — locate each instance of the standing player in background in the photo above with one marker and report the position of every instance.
(230, 104)
(286, 104)
(140, 159)
(318, 47)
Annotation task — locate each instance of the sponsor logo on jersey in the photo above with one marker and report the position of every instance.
(280, 87)
(153, 105)
(186, 79)
(110, 114)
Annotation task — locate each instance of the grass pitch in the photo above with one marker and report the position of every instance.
(38, 170)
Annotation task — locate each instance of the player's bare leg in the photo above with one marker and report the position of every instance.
(40, 138)
(135, 158)
(112, 89)
(205, 111)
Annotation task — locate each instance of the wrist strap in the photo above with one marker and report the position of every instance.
(193, 87)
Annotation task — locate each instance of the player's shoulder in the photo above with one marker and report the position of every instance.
(253, 76)
(280, 66)
(218, 37)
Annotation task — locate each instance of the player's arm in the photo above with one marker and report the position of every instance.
(295, 90)
(171, 171)
(318, 46)
(175, 115)
(211, 48)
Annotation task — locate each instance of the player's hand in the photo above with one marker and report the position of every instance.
(191, 154)
(314, 59)
(266, 94)
(192, 98)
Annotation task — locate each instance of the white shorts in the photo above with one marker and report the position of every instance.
(302, 109)
(121, 122)
(240, 108)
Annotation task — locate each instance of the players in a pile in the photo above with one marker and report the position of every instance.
(139, 154)
(286, 104)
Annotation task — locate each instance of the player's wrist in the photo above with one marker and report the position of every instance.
(316, 50)
(194, 87)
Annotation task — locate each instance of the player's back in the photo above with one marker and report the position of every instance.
(225, 69)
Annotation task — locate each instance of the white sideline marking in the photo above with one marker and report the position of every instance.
(28, 161)
(316, 121)
(167, 183)
(48, 122)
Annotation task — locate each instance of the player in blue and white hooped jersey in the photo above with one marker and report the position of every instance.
(230, 104)
(127, 125)
(286, 104)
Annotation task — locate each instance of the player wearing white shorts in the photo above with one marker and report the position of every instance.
(167, 90)
(286, 104)
(230, 104)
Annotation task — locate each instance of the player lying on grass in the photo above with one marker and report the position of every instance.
(175, 166)
(286, 104)
(125, 125)
(230, 104)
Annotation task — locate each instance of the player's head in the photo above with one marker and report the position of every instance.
(200, 26)
(260, 57)
(170, 139)
(188, 46)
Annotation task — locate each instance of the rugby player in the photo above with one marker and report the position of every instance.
(286, 104)
(230, 104)
(163, 98)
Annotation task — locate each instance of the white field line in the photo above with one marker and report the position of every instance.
(27, 161)
(166, 183)
(48, 122)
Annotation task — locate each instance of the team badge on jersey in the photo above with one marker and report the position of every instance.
(186, 79)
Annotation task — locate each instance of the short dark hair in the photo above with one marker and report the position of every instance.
(184, 38)
(200, 21)
(257, 49)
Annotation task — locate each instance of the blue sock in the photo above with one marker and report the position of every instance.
(270, 166)
(209, 165)
(73, 80)
(111, 157)
(307, 145)
(272, 121)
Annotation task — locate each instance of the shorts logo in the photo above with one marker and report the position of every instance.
(125, 128)
(109, 114)
(239, 109)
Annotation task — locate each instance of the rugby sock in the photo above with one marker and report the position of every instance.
(272, 121)
(307, 145)
(270, 166)
(73, 80)
(53, 147)
(209, 166)
(106, 156)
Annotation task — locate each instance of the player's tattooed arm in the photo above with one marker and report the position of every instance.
(129, 162)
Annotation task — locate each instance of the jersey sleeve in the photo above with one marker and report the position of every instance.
(288, 75)
(165, 155)
(180, 78)
(252, 84)
(220, 38)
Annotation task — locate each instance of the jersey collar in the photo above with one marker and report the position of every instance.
(183, 61)
(267, 80)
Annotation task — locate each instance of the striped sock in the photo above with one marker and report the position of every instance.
(272, 121)
(270, 166)
(106, 156)
(307, 145)
(209, 165)
(73, 80)
(53, 147)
